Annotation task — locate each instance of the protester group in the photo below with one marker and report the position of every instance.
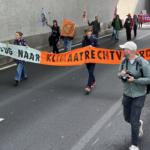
(134, 78)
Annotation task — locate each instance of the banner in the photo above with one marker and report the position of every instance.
(73, 58)
(84, 15)
(115, 13)
(68, 28)
(144, 12)
(42, 18)
(144, 18)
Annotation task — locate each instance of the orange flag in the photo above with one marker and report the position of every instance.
(68, 28)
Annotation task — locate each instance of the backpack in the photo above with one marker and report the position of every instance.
(139, 63)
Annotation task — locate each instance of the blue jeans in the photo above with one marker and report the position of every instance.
(21, 72)
(90, 67)
(116, 33)
(132, 111)
(67, 44)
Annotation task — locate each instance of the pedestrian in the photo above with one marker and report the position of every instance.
(136, 23)
(54, 38)
(141, 13)
(67, 42)
(129, 23)
(91, 41)
(117, 25)
(96, 27)
(21, 71)
(135, 79)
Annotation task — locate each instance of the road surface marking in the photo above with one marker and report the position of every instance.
(96, 127)
(95, 142)
(108, 125)
(119, 113)
(38, 86)
(142, 36)
(1, 119)
(8, 66)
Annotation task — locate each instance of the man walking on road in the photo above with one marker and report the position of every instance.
(129, 23)
(135, 74)
(90, 41)
(96, 26)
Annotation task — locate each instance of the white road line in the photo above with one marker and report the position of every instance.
(119, 113)
(1, 119)
(108, 125)
(95, 142)
(8, 66)
(91, 133)
(142, 36)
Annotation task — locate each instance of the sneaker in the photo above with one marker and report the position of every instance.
(23, 79)
(16, 83)
(88, 89)
(141, 129)
(133, 148)
(93, 84)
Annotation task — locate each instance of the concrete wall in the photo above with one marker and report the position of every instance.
(24, 15)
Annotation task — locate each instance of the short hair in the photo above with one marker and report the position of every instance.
(87, 30)
(20, 33)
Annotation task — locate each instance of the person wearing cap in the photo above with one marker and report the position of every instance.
(91, 41)
(135, 89)
(129, 24)
(96, 27)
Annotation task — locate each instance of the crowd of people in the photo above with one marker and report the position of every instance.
(135, 80)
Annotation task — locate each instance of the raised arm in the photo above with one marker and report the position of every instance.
(90, 24)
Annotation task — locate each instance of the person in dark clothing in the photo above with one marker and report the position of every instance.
(117, 25)
(54, 38)
(129, 23)
(96, 26)
(136, 23)
(90, 41)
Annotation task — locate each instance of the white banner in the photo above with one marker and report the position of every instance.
(20, 53)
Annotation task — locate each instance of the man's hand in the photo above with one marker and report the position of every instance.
(27, 46)
(131, 79)
(90, 46)
(123, 73)
(98, 33)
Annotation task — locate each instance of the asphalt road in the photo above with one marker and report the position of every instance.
(51, 111)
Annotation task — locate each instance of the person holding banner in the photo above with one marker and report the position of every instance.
(141, 13)
(67, 34)
(117, 25)
(96, 26)
(134, 71)
(90, 41)
(136, 23)
(129, 23)
(54, 38)
(21, 71)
